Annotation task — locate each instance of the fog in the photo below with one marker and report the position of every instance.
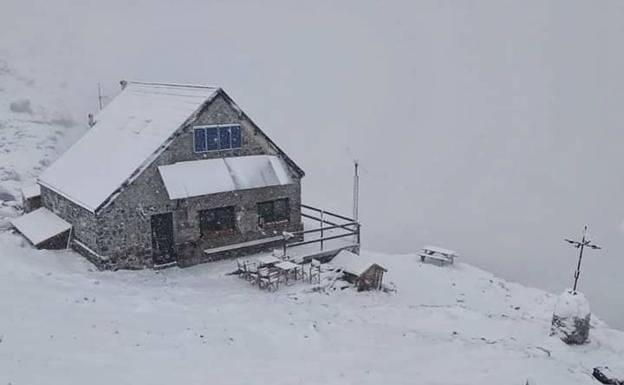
(488, 127)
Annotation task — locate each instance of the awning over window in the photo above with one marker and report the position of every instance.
(40, 225)
(210, 176)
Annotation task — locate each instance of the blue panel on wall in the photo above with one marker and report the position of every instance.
(200, 140)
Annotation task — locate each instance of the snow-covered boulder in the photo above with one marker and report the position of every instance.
(609, 375)
(571, 318)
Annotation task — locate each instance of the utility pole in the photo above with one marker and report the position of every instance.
(581, 246)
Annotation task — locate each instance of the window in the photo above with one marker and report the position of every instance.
(273, 212)
(215, 138)
(216, 221)
(200, 141)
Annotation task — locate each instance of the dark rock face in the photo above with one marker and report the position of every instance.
(571, 330)
(571, 318)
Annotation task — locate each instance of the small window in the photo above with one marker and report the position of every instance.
(236, 136)
(216, 221)
(273, 212)
(224, 138)
(200, 140)
(212, 135)
(217, 138)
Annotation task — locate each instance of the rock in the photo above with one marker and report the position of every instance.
(571, 318)
(609, 376)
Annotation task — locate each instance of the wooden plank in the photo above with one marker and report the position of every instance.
(236, 246)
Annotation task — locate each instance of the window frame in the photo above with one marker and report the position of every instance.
(229, 126)
(214, 233)
(286, 219)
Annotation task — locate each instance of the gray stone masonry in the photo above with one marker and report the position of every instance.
(119, 235)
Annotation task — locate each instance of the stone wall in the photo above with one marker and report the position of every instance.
(119, 236)
(125, 228)
(82, 220)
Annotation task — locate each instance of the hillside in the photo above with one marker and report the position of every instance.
(63, 322)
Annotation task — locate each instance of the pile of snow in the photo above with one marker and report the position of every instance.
(571, 318)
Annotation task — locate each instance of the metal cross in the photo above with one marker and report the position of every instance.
(581, 245)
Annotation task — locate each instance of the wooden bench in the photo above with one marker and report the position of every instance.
(439, 254)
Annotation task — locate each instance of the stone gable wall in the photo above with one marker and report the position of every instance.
(125, 228)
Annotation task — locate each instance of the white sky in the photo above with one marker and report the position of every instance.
(489, 127)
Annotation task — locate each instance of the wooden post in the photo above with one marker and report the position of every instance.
(69, 237)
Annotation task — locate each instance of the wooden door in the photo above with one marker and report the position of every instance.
(162, 239)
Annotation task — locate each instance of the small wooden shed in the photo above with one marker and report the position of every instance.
(359, 270)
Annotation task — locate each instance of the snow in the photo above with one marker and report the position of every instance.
(352, 263)
(572, 304)
(40, 225)
(31, 191)
(64, 322)
(126, 134)
(441, 250)
(210, 176)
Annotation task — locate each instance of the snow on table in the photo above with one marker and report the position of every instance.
(40, 225)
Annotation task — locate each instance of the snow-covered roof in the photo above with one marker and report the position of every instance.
(31, 191)
(209, 176)
(40, 225)
(126, 135)
(352, 263)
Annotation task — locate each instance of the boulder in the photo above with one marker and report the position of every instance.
(609, 375)
(571, 318)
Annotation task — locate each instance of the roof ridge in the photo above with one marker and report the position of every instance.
(169, 84)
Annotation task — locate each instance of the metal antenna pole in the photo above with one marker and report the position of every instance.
(356, 198)
(356, 191)
(100, 96)
(581, 246)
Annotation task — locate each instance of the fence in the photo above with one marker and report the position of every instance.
(328, 223)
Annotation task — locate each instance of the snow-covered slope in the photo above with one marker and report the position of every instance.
(63, 322)
(35, 125)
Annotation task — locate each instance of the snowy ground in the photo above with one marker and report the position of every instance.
(62, 322)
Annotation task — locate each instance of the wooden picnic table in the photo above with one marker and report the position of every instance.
(438, 254)
(287, 268)
(267, 260)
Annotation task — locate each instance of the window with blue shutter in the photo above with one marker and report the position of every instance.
(236, 136)
(200, 140)
(212, 135)
(214, 138)
(224, 138)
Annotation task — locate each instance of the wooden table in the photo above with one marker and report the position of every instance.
(287, 268)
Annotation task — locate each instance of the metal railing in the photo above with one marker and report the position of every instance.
(328, 222)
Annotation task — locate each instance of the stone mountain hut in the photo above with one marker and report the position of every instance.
(167, 174)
